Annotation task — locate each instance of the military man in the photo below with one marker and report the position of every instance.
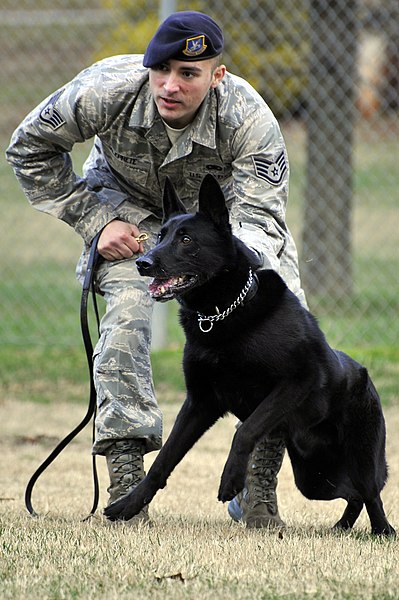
(173, 112)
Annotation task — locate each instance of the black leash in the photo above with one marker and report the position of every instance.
(88, 285)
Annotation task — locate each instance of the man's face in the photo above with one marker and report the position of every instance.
(179, 87)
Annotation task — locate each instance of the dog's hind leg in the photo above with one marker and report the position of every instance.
(351, 513)
(378, 520)
(369, 492)
(365, 452)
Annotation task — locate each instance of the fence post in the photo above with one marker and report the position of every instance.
(159, 321)
(327, 253)
(166, 8)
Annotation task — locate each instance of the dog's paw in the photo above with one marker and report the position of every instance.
(118, 511)
(229, 488)
(387, 531)
(124, 509)
(227, 495)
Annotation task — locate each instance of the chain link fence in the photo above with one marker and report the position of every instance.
(330, 73)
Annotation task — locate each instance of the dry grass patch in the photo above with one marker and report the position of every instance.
(192, 549)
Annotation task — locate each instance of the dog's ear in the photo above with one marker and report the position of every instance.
(212, 201)
(171, 201)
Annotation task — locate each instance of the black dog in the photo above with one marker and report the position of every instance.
(254, 351)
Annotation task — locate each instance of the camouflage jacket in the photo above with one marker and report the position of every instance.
(234, 136)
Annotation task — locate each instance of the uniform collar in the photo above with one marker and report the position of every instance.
(203, 130)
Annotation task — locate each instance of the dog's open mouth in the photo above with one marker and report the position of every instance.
(166, 289)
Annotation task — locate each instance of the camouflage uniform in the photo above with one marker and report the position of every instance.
(234, 136)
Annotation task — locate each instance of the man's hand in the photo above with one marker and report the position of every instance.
(117, 241)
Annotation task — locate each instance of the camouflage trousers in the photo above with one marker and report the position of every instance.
(126, 402)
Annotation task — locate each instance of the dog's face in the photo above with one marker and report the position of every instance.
(187, 253)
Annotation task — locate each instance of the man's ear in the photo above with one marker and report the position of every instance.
(218, 74)
(171, 201)
(211, 201)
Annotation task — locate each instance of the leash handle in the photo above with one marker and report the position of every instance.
(88, 285)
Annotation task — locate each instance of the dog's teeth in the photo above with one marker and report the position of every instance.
(162, 289)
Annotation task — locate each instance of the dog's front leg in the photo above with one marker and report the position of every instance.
(267, 417)
(233, 476)
(191, 422)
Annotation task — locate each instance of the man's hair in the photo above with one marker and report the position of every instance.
(217, 61)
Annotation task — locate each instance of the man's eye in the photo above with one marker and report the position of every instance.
(186, 240)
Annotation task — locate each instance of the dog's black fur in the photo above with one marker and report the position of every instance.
(268, 363)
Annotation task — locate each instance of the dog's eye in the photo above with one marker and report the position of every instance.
(186, 240)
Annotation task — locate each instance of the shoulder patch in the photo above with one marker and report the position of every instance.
(271, 171)
(50, 115)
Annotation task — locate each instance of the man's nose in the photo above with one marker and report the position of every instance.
(171, 83)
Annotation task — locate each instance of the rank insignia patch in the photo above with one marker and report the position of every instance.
(50, 115)
(195, 46)
(272, 172)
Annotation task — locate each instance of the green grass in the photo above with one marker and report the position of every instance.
(44, 359)
(54, 372)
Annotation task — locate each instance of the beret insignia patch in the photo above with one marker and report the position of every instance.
(195, 46)
(50, 115)
(271, 171)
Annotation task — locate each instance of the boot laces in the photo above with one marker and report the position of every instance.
(264, 465)
(127, 463)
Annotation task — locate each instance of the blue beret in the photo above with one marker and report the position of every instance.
(185, 35)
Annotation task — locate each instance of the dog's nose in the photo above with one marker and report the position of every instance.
(144, 264)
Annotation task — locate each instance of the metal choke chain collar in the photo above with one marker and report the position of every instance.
(220, 316)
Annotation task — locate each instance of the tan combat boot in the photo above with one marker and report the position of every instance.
(126, 470)
(256, 506)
